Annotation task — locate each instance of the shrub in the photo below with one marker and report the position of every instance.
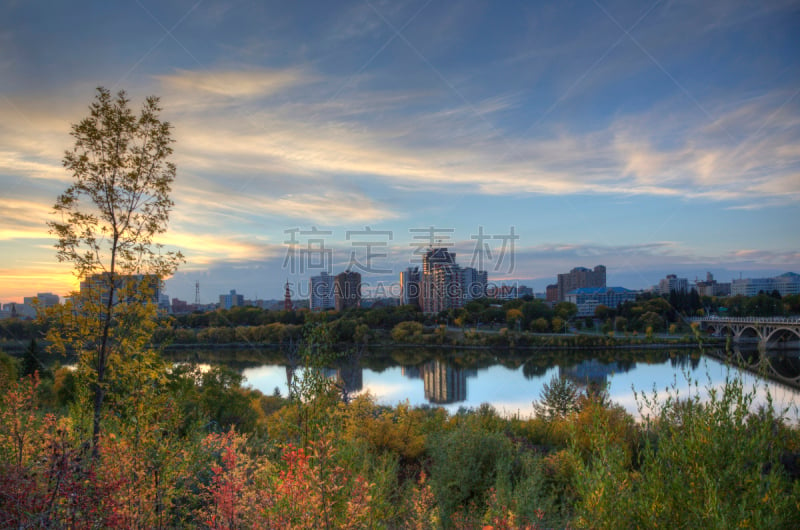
(408, 332)
(704, 465)
(467, 462)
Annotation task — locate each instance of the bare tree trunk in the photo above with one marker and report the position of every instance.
(102, 361)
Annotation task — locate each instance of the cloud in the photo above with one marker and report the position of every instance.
(205, 248)
(232, 141)
(789, 258)
(639, 154)
(331, 208)
(230, 84)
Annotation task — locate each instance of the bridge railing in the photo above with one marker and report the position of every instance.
(748, 320)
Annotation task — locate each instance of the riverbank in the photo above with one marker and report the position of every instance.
(450, 339)
(522, 342)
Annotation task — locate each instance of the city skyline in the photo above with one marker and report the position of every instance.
(657, 138)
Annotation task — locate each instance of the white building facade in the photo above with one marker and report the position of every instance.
(788, 283)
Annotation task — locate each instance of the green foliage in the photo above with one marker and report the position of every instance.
(565, 310)
(64, 386)
(704, 465)
(467, 462)
(558, 398)
(106, 223)
(540, 325)
(214, 399)
(19, 330)
(30, 359)
(325, 464)
(9, 370)
(408, 332)
(312, 393)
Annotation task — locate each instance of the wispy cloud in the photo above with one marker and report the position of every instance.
(641, 154)
(244, 83)
(204, 248)
(397, 112)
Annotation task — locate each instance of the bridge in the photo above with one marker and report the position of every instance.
(768, 333)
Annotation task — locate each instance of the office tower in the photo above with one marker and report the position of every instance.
(129, 288)
(673, 283)
(320, 297)
(475, 283)
(227, 301)
(410, 286)
(441, 280)
(580, 277)
(347, 290)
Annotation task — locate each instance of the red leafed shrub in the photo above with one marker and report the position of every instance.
(309, 490)
(45, 479)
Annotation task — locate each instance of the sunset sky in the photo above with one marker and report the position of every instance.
(651, 137)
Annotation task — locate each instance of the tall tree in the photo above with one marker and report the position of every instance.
(106, 224)
(558, 399)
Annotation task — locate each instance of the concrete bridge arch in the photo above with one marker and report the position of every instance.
(782, 335)
(767, 332)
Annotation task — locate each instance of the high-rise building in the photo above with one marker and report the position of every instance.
(551, 292)
(43, 300)
(347, 290)
(706, 288)
(180, 307)
(435, 256)
(320, 295)
(441, 281)
(580, 277)
(443, 284)
(137, 288)
(163, 303)
(410, 286)
(673, 283)
(524, 290)
(712, 287)
(445, 288)
(475, 283)
(227, 301)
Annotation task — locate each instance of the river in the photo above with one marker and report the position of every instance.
(510, 382)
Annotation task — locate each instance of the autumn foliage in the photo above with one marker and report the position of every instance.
(167, 460)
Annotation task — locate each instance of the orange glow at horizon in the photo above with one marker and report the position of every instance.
(15, 284)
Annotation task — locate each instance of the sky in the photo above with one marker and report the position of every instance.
(529, 137)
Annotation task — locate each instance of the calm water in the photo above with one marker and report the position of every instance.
(466, 379)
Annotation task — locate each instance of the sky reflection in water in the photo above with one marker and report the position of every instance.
(510, 392)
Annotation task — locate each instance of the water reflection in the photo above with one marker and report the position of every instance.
(593, 372)
(444, 384)
(349, 378)
(511, 381)
(779, 365)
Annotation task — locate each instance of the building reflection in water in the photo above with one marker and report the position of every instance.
(351, 377)
(593, 372)
(443, 384)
